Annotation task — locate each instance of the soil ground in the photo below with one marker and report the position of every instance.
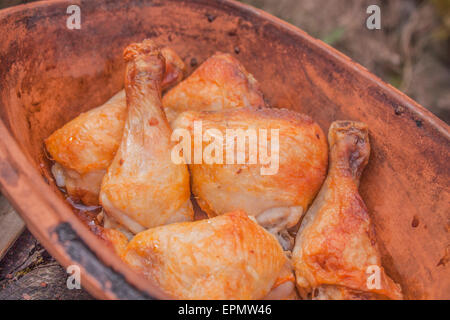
(411, 51)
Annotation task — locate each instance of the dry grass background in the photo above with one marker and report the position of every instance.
(411, 51)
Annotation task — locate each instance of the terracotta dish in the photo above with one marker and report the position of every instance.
(49, 74)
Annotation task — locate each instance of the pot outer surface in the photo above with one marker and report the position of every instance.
(49, 74)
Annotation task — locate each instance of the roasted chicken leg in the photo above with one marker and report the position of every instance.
(335, 254)
(227, 257)
(84, 148)
(220, 83)
(277, 192)
(143, 188)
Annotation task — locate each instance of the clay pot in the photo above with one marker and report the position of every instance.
(49, 74)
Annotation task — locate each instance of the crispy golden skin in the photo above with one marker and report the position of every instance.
(84, 147)
(142, 187)
(220, 83)
(336, 244)
(114, 239)
(278, 200)
(227, 257)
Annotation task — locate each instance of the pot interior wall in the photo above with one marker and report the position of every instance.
(50, 74)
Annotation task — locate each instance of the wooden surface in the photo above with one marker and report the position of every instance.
(11, 226)
(27, 271)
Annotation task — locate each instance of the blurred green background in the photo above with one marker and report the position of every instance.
(411, 51)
